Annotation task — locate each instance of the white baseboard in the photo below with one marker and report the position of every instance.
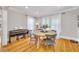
(70, 38)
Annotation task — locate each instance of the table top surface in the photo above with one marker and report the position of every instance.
(44, 33)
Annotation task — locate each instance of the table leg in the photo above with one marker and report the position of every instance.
(24, 35)
(9, 39)
(38, 42)
(17, 37)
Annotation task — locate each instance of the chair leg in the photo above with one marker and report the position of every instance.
(36, 43)
(47, 46)
(30, 44)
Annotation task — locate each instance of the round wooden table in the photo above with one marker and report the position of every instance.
(41, 35)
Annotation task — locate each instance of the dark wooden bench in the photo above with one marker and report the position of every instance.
(17, 33)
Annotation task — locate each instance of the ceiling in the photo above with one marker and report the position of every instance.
(40, 10)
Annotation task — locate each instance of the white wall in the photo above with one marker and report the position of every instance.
(0, 27)
(69, 25)
(4, 27)
(77, 14)
(16, 19)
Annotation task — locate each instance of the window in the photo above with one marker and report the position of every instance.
(30, 23)
(54, 24)
(51, 22)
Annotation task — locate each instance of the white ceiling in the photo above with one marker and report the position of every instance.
(41, 10)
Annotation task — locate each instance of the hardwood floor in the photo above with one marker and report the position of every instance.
(62, 45)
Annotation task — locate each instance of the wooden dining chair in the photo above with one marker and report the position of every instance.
(49, 40)
(32, 39)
